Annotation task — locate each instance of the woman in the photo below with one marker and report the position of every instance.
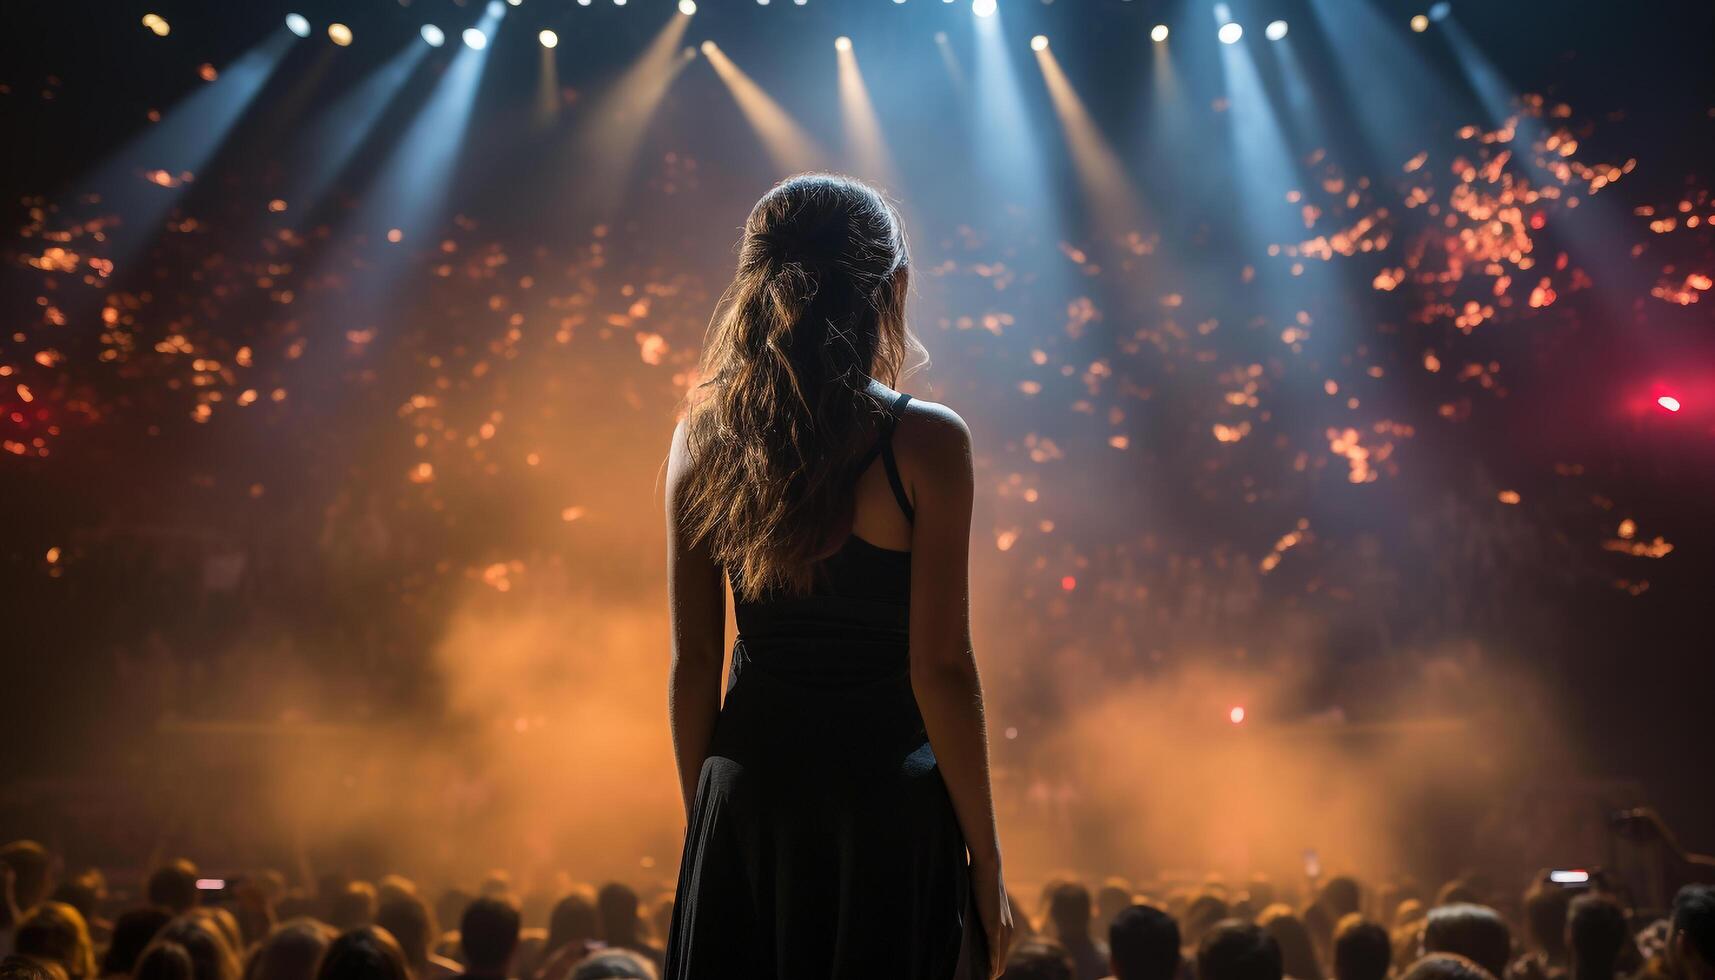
(832, 800)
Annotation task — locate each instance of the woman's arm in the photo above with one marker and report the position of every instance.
(943, 665)
(697, 600)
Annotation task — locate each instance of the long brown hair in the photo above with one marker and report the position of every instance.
(815, 311)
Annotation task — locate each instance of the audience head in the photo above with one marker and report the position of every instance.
(165, 960)
(352, 906)
(84, 892)
(1143, 944)
(1445, 966)
(1475, 932)
(173, 887)
(1362, 950)
(133, 931)
(1039, 959)
(1069, 909)
(293, 951)
(1596, 933)
(1693, 941)
(16, 967)
(572, 920)
(212, 957)
(488, 932)
(1458, 892)
(1237, 950)
(32, 870)
(1545, 906)
(617, 905)
(1112, 898)
(1342, 896)
(614, 964)
(1297, 952)
(1200, 916)
(364, 953)
(409, 920)
(54, 932)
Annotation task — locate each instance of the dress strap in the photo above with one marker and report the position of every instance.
(892, 464)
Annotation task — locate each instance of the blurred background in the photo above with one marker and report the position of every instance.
(1341, 374)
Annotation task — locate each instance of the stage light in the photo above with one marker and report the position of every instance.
(548, 38)
(339, 34)
(762, 3)
(433, 35)
(800, 2)
(940, 37)
(496, 9)
(687, 7)
(298, 24)
(1439, 11)
(983, 8)
(1230, 33)
(1419, 23)
(1668, 402)
(842, 43)
(709, 48)
(619, 3)
(475, 39)
(1039, 43)
(1275, 30)
(515, 2)
(1237, 715)
(157, 24)
(583, 3)
(898, 1)
(1158, 33)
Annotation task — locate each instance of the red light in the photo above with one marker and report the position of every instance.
(1068, 583)
(1237, 715)
(1668, 402)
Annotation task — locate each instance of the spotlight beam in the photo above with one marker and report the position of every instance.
(145, 177)
(864, 139)
(346, 125)
(791, 148)
(1113, 202)
(604, 147)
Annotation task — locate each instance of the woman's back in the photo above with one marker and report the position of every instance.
(822, 839)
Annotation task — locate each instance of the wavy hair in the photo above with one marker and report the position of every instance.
(784, 412)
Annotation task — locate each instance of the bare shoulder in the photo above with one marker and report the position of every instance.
(933, 440)
(678, 454)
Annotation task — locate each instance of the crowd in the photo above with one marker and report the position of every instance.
(187, 927)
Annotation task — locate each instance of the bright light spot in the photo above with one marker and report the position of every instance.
(1237, 715)
(1668, 402)
(548, 38)
(762, 3)
(475, 38)
(583, 3)
(1230, 33)
(1068, 583)
(1508, 497)
(687, 7)
(157, 24)
(1039, 43)
(434, 35)
(940, 37)
(496, 9)
(983, 8)
(709, 47)
(1275, 30)
(1158, 33)
(339, 34)
(842, 43)
(515, 2)
(1419, 23)
(298, 24)
(1439, 11)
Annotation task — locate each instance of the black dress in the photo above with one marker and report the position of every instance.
(822, 842)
